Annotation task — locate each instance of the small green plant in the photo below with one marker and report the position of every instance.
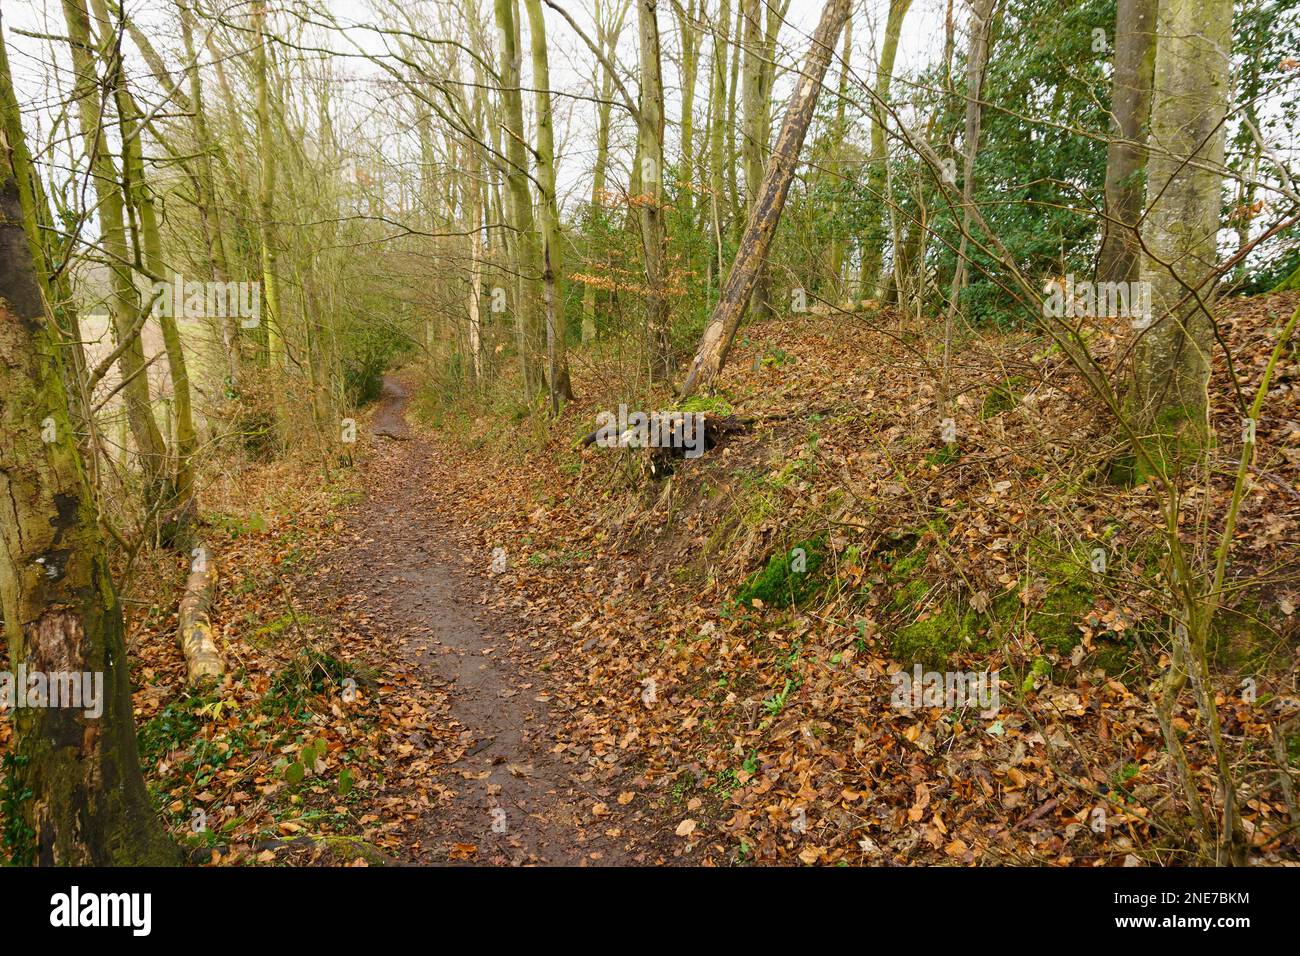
(236, 525)
(308, 758)
(18, 836)
(776, 703)
(777, 358)
(312, 672)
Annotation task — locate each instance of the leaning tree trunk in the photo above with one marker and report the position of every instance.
(1130, 102)
(766, 214)
(1189, 104)
(88, 804)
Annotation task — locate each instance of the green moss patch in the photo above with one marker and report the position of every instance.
(1003, 397)
(789, 578)
(949, 631)
(1241, 639)
(1054, 624)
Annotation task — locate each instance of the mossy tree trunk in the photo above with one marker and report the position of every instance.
(557, 374)
(275, 349)
(124, 302)
(211, 218)
(756, 98)
(88, 803)
(1184, 178)
(688, 30)
(1130, 104)
(524, 241)
(719, 161)
(139, 201)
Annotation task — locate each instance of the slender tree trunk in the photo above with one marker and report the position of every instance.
(521, 202)
(688, 30)
(558, 384)
(718, 159)
(766, 215)
(124, 303)
(835, 159)
(738, 53)
(607, 40)
(1130, 104)
(139, 197)
(650, 150)
(976, 61)
(266, 195)
(873, 239)
(210, 213)
(477, 187)
(754, 142)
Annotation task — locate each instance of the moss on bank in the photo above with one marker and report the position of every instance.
(789, 578)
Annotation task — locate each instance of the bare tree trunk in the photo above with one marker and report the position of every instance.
(607, 35)
(1130, 104)
(558, 385)
(873, 241)
(139, 199)
(266, 196)
(124, 304)
(766, 214)
(689, 31)
(650, 150)
(738, 52)
(976, 60)
(718, 131)
(753, 148)
(835, 158)
(1189, 104)
(521, 202)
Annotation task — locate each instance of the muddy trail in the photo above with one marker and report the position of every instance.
(503, 796)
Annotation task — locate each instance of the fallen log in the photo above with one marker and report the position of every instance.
(194, 624)
(666, 429)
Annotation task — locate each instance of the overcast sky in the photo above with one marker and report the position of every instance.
(572, 69)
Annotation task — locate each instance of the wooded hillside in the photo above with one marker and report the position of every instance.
(639, 432)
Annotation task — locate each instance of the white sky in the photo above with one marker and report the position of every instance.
(572, 65)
